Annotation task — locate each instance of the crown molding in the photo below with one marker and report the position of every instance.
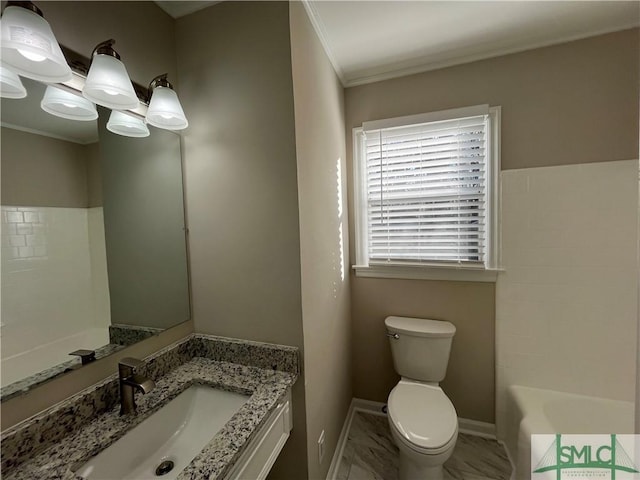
(318, 26)
(412, 67)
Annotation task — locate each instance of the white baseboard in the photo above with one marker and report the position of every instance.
(513, 464)
(342, 441)
(470, 427)
(369, 406)
(479, 429)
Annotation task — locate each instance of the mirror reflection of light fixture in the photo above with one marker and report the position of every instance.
(165, 110)
(10, 84)
(108, 82)
(28, 46)
(67, 105)
(126, 125)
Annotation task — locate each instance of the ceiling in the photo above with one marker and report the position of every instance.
(368, 41)
(395, 38)
(179, 8)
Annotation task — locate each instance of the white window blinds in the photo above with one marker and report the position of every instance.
(426, 195)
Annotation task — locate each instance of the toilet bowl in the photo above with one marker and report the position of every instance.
(424, 426)
(422, 419)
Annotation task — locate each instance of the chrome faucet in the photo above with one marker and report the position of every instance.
(129, 382)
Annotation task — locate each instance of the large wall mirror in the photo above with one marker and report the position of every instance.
(94, 252)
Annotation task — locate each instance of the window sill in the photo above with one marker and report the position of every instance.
(423, 272)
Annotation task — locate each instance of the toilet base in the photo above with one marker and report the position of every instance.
(409, 470)
(420, 466)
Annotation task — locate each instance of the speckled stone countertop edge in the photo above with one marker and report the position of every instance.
(267, 387)
(292, 352)
(249, 352)
(26, 440)
(21, 386)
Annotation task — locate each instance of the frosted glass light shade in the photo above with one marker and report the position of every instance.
(165, 110)
(126, 125)
(108, 84)
(29, 47)
(10, 84)
(67, 105)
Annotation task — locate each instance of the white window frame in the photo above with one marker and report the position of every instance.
(426, 271)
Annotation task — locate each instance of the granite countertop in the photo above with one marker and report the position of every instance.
(73, 442)
(21, 386)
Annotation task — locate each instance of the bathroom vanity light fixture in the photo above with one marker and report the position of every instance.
(108, 82)
(127, 125)
(165, 110)
(10, 84)
(67, 105)
(28, 45)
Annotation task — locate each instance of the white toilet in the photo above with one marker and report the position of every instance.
(423, 421)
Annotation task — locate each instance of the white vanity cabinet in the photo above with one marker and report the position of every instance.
(261, 453)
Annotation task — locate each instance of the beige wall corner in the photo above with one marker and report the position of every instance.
(637, 399)
(234, 60)
(144, 33)
(42, 171)
(552, 99)
(469, 306)
(240, 168)
(58, 389)
(320, 148)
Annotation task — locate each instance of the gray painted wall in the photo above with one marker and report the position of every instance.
(326, 309)
(571, 103)
(42, 171)
(234, 60)
(144, 33)
(144, 227)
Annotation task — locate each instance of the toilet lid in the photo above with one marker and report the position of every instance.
(422, 414)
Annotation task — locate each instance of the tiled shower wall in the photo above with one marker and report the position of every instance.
(98, 260)
(566, 303)
(53, 279)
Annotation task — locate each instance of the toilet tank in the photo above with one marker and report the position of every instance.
(420, 347)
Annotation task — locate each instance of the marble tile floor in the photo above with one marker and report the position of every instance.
(370, 454)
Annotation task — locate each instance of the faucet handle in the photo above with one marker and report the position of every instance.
(127, 365)
(86, 356)
(130, 362)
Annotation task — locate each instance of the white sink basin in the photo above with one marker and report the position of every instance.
(175, 433)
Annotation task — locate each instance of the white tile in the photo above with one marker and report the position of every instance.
(568, 297)
(14, 217)
(8, 253)
(514, 182)
(25, 252)
(525, 345)
(31, 217)
(41, 296)
(22, 228)
(9, 228)
(473, 457)
(35, 240)
(17, 240)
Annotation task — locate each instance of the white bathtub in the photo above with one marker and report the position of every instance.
(534, 410)
(32, 361)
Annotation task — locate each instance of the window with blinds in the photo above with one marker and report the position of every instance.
(425, 190)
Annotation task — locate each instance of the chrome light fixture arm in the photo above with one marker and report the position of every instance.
(159, 81)
(27, 5)
(105, 48)
(165, 110)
